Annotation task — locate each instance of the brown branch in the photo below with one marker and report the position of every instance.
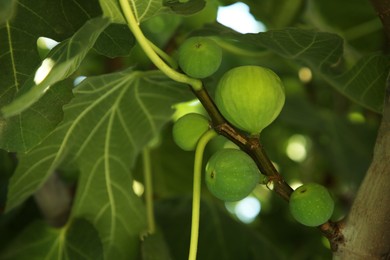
(332, 231)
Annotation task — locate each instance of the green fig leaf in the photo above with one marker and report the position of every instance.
(61, 62)
(53, 19)
(109, 121)
(143, 9)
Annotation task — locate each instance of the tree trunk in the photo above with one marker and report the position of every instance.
(366, 230)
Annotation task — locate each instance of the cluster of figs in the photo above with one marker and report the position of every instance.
(250, 98)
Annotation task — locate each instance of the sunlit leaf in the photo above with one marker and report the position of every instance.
(61, 62)
(19, 59)
(79, 240)
(143, 9)
(111, 118)
(112, 10)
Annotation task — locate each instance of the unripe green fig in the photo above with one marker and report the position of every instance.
(231, 174)
(188, 129)
(250, 97)
(199, 57)
(311, 204)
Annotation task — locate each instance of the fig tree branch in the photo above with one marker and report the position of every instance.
(253, 147)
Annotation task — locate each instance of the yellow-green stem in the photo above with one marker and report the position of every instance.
(197, 190)
(149, 51)
(148, 190)
(168, 59)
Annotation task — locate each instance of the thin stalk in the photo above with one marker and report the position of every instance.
(168, 59)
(148, 190)
(196, 191)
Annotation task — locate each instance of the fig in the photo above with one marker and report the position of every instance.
(311, 204)
(250, 97)
(231, 174)
(188, 129)
(199, 57)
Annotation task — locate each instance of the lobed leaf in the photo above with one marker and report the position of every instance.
(143, 9)
(19, 59)
(364, 83)
(61, 62)
(110, 120)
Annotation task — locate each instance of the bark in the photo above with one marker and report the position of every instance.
(366, 230)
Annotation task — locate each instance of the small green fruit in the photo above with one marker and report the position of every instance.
(231, 174)
(188, 129)
(311, 204)
(199, 57)
(250, 97)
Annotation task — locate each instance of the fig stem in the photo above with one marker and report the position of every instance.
(168, 59)
(148, 190)
(206, 137)
(147, 47)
